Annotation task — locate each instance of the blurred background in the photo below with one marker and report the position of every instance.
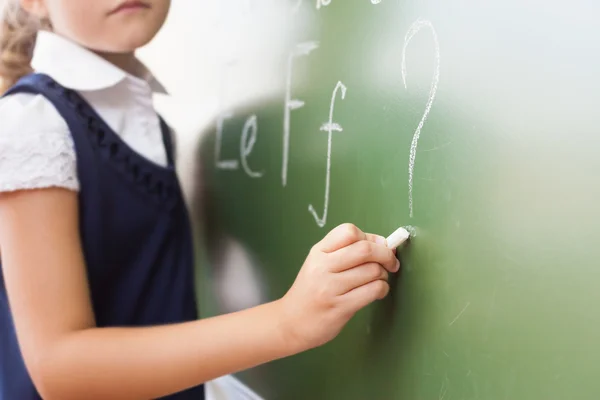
(496, 296)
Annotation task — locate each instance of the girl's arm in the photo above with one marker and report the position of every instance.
(68, 357)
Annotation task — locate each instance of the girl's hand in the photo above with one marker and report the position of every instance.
(343, 273)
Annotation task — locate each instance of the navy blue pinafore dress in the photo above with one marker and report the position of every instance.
(134, 230)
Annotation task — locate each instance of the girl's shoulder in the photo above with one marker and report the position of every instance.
(36, 147)
(31, 113)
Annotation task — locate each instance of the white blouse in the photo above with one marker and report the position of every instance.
(36, 147)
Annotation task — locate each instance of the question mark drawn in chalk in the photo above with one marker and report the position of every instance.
(412, 31)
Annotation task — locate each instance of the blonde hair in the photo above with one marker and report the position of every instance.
(18, 31)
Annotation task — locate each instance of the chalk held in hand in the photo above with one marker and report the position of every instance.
(399, 236)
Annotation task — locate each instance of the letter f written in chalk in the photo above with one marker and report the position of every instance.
(329, 127)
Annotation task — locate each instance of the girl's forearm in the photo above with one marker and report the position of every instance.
(143, 363)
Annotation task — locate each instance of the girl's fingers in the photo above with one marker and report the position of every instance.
(340, 237)
(364, 295)
(359, 276)
(362, 252)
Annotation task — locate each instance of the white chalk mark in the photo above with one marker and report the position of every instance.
(411, 229)
(223, 164)
(224, 115)
(329, 127)
(375, 1)
(412, 31)
(295, 104)
(304, 48)
(323, 3)
(443, 388)
(437, 147)
(460, 314)
(301, 49)
(247, 144)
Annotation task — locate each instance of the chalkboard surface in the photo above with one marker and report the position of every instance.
(474, 122)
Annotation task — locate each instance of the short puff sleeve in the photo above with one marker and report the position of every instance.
(36, 147)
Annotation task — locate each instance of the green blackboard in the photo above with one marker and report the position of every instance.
(475, 122)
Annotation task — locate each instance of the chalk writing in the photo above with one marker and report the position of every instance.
(223, 115)
(329, 127)
(223, 164)
(247, 144)
(323, 3)
(412, 31)
(301, 49)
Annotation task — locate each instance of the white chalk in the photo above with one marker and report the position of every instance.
(399, 236)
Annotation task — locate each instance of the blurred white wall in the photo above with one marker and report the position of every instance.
(182, 56)
(213, 54)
